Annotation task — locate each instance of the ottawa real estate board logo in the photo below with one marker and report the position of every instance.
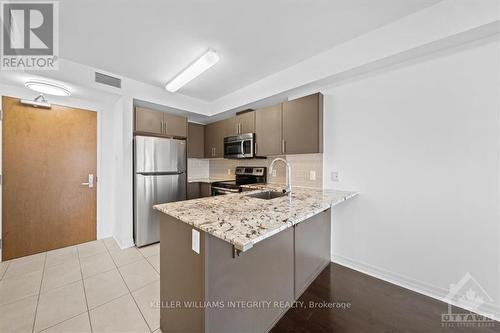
(467, 294)
(30, 35)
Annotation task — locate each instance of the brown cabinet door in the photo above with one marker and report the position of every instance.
(219, 140)
(214, 139)
(242, 123)
(268, 132)
(175, 126)
(231, 126)
(205, 190)
(193, 191)
(302, 128)
(246, 122)
(210, 138)
(148, 121)
(196, 140)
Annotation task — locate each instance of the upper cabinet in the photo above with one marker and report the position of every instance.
(302, 121)
(268, 134)
(241, 123)
(175, 125)
(293, 127)
(214, 139)
(148, 121)
(246, 122)
(196, 141)
(159, 123)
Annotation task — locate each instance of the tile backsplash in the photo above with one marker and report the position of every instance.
(303, 167)
(198, 168)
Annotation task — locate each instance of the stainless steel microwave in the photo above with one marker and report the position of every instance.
(240, 146)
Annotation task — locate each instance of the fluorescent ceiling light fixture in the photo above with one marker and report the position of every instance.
(206, 61)
(49, 88)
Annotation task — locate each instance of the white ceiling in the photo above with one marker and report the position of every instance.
(151, 41)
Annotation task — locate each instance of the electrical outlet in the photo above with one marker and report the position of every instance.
(312, 175)
(229, 171)
(195, 241)
(274, 172)
(335, 176)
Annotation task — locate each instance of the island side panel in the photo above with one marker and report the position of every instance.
(263, 273)
(312, 249)
(181, 277)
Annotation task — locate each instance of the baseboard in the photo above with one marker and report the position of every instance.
(488, 309)
(124, 245)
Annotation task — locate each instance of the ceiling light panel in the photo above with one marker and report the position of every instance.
(49, 88)
(203, 63)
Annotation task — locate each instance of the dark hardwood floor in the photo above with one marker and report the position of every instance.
(376, 306)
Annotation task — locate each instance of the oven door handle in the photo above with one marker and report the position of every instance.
(225, 189)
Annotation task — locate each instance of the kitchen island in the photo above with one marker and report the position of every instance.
(236, 263)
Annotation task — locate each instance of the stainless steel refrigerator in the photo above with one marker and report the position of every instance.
(159, 177)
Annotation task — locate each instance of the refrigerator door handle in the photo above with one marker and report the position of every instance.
(155, 173)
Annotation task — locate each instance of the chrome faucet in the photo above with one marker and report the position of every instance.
(288, 173)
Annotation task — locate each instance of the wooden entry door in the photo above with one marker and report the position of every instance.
(46, 156)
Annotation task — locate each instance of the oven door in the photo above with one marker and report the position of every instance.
(240, 146)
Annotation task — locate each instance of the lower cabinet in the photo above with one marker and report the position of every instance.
(197, 190)
(205, 190)
(276, 270)
(193, 191)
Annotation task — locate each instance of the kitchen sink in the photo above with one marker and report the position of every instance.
(268, 195)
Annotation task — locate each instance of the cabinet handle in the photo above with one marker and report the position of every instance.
(283, 146)
(237, 129)
(166, 124)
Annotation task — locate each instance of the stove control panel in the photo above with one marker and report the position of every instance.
(251, 171)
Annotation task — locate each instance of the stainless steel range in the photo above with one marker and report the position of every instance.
(244, 175)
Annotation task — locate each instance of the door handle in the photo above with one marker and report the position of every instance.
(90, 182)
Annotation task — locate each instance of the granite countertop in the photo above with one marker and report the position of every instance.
(209, 180)
(244, 221)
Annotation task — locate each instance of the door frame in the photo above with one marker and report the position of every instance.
(22, 93)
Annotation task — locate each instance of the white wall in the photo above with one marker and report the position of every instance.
(421, 144)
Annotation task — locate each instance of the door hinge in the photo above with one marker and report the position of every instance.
(1, 115)
(1, 243)
(1, 179)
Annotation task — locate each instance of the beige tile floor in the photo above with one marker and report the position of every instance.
(91, 287)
